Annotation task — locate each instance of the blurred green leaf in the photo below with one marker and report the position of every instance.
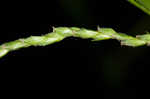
(142, 4)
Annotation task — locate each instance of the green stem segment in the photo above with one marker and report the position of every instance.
(61, 33)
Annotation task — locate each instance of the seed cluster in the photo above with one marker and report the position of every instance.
(61, 33)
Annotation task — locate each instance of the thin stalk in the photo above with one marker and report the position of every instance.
(61, 33)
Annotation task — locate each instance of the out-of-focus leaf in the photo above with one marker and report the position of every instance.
(142, 4)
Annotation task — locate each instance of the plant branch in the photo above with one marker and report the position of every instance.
(61, 33)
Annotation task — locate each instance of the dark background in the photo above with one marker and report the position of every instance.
(74, 66)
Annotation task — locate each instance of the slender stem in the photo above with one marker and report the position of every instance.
(61, 33)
